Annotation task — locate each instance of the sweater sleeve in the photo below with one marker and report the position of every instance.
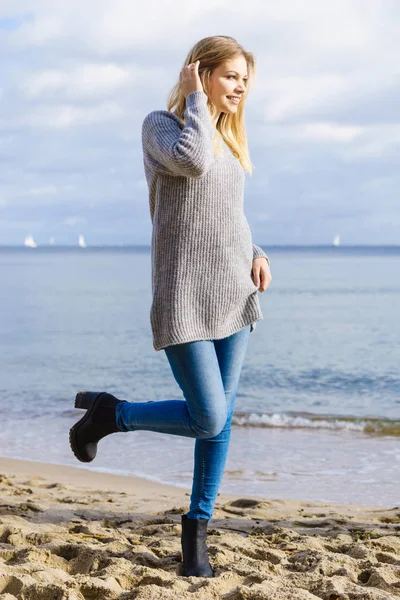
(257, 252)
(185, 152)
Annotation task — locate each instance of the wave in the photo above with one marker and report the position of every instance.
(292, 420)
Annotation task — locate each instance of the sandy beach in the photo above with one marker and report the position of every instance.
(72, 534)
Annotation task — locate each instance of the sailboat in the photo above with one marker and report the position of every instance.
(30, 242)
(336, 240)
(82, 242)
(51, 241)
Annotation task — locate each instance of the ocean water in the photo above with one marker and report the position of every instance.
(317, 410)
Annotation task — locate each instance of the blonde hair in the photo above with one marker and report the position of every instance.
(213, 51)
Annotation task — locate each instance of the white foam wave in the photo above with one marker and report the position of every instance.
(291, 421)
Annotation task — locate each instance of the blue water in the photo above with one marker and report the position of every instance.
(317, 411)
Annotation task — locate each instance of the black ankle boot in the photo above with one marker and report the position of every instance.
(194, 548)
(97, 422)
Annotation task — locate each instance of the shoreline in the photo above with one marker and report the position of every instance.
(68, 533)
(138, 487)
(142, 487)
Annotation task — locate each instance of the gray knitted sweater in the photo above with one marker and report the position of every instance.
(201, 247)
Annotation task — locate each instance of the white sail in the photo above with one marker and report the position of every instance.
(82, 242)
(30, 242)
(336, 240)
(51, 241)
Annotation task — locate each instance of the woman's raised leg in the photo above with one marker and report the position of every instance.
(202, 414)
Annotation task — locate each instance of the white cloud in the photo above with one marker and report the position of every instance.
(71, 221)
(109, 26)
(83, 81)
(328, 132)
(49, 190)
(351, 142)
(66, 116)
(311, 133)
(379, 184)
(292, 95)
(140, 184)
(25, 226)
(377, 141)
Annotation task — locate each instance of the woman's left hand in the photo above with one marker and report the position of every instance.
(261, 273)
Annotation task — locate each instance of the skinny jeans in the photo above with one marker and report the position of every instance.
(208, 373)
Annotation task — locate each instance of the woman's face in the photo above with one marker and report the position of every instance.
(228, 79)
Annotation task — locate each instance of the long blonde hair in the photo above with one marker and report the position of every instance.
(212, 51)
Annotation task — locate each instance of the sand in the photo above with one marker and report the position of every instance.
(74, 534)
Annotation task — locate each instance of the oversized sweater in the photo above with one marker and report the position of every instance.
(201, 246)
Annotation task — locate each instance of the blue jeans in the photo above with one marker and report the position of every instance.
(208, 373)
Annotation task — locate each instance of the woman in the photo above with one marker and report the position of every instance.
(206, 273)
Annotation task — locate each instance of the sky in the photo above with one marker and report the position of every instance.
(322, 120)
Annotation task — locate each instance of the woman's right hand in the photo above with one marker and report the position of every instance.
(189, 79)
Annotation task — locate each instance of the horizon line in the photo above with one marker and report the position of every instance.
(129, 245)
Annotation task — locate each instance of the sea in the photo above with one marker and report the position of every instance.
(317, 412)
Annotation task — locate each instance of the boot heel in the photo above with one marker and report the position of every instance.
(98, 421)
(85, 399)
